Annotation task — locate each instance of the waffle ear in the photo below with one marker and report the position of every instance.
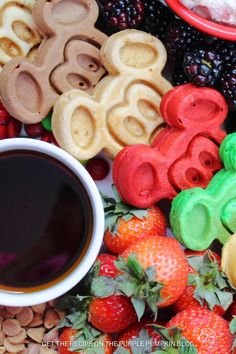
(133, 52)
(192, 219)
(59, 15)
(140, 182)
(81, 68)
(75, 125)
(22, 92)
(228, 152)
(186, 108)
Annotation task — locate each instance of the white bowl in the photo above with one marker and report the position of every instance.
(9, 298)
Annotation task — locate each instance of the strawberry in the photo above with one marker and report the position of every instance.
(232, 327)
(125, 224)
(154, 272)
(164, 261)
(208, 285)
(106, 313)
(107, 265)
(66, 338)
(70, 343)
(112, 314)
(140, 335)
(208, 332)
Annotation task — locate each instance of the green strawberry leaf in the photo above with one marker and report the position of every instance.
(64, 323)
(152, 303)
(173, 341)
(125, 285)
(135, 267)
(151, 273)
(122, 208)
(78, 319)
(93, 273)
(75, 317)
(139, 213)
(107, 201)
(121, 350)
(221, 280)
(210, 298)
(192, 279)
(195, 262)
(234, 344)
(103, 287)
(115, 192)
(72, 303)
(127, 217)
(186, 347)
(90, 333)
(139, 306)
(115, 209)
(232, 325)
(138, 283)
(98, 350)
(211, 284)
(122, 265)
(225, 298)
(86, 337)
(141, 344)
(110, 222)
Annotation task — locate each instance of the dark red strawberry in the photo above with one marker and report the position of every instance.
(208, 332)
(107, 265)
(112, 314)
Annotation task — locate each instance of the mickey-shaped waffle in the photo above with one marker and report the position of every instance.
(183, 155)
(124, 108)
(200, 216)
(18, 32)
(228, 259)
(68, 58)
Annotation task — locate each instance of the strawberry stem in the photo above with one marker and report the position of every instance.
(139, 284)
(115, 209)
(211, 284)
(173, 341)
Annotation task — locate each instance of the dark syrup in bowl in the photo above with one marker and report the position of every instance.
(46, 220)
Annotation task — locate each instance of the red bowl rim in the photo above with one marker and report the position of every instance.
(210, 27)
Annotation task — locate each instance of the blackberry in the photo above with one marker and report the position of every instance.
(228, 86)
(156, 18)
(102, 24)
(122, 14)
(226, 49)
(179, 36)
(203, 66)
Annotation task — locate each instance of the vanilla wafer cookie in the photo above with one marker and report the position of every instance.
(18, 32)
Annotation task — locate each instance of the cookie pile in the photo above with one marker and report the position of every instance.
(29, 330)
